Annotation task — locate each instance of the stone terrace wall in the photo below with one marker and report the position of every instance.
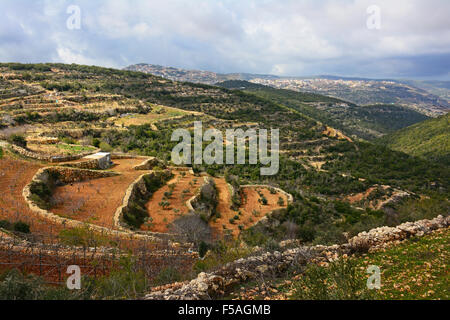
(195, 203)
(92, 164)
(215, 284)
(69, 175)
(49, 158)
(138, 190)
(149, 164)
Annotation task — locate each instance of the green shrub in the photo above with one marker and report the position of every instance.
(18, 140)
(1, 152)
(167, 275)
(341, 280)
(5, 224)
(202, 249)
(96, 142)
(83, 237)
(21, 227)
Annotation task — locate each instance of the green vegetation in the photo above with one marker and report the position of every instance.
(74, 149)
(18, 140)
(341, 280)
(18, 226)
(429, 139)
(366, 122)
(319, 212)
(413, 270)
(84, 237)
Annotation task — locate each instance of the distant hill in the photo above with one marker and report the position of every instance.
(366, 92)
(428, 97)
(195, 76)
(429, 139)
(367, 122)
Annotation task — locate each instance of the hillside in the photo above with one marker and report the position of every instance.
(413, 270)
(429, 139)
(328, 187)
(195, 76)
(366, 122)
(428, 98)
(366, 92)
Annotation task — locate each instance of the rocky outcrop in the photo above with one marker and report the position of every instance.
(215, 284)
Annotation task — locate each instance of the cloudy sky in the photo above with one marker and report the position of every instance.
(284, 37)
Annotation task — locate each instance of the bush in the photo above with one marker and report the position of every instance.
(21, 227)
(18, 140)
(167, 275)
(83, 237)
(5, 224)
(202, 249)
(105, 147)
(135, 215)
(1, 152)
(16, 286)
(341, 280)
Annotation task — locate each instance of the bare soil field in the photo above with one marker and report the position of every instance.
(185, 188)
(96, 201)
(15, 174)
(250, 212)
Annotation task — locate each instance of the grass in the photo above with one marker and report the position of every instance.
(416, 269)
(158, 113)
(74, 149)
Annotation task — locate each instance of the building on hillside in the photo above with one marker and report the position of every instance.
(103, 158)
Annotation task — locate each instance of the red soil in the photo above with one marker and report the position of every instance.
(15, 174)
(160, 218)
(96, 201)
(251, 209)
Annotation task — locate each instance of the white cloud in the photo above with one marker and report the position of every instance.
(282, 36)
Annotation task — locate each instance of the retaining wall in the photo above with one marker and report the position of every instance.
(214, 284)
(69, 175)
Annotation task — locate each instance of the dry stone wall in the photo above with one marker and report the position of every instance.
(214, 284)
(46, 157)
(138, 190)
(205, 200)
(69, 175)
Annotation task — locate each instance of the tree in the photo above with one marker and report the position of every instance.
(192, 228)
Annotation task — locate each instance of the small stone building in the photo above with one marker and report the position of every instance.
(103, 158)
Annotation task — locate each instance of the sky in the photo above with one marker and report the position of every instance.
(365, 38)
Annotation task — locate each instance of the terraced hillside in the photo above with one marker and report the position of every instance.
(366, 122)
(52, 115)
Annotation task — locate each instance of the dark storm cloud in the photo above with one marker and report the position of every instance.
(286, 37)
